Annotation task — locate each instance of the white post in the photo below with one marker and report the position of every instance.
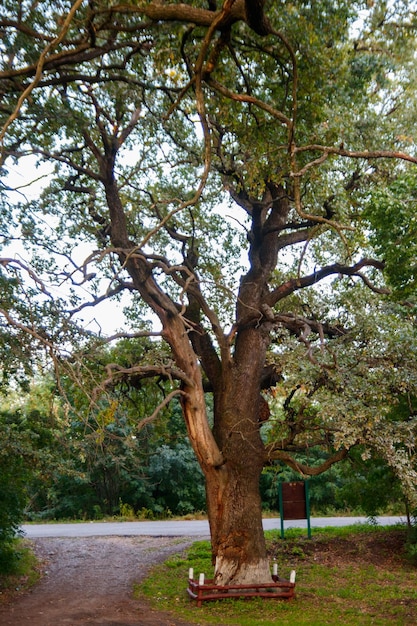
(201, 579)
(191, 573)
(292, 576)
(275, 569)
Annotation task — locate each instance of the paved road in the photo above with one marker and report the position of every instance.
(192, 528)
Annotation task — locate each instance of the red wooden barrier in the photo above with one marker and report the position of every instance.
(277, 588)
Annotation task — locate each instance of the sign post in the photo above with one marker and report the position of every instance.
(294, 503)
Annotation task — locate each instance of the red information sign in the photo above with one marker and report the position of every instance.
(294, 500)
(294, 503)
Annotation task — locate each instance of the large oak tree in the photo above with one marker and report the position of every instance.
(216, 161)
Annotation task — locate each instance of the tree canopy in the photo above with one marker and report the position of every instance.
(245, 173)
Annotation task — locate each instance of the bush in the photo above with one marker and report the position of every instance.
(177, 480)
(13, 476)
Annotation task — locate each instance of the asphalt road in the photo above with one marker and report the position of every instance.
(191, 528)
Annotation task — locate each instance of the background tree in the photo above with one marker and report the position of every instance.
(120, 456)
(182, 136)
(30, 453)
(13, 475)
(104, 456)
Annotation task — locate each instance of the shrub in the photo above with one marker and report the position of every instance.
(12, 502)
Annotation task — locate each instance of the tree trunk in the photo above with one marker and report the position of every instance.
(235, 517)
(233, 497)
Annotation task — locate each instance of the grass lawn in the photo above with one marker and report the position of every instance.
(352, 576)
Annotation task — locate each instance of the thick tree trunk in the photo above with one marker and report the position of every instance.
(235, 517)
(233, 497)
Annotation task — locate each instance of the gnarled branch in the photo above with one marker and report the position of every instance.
(273, 453)
(295, 284)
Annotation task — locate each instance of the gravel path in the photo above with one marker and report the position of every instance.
(90, 580)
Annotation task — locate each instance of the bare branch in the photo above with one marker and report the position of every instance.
(13, 262)
(116, 373)
(274, 453)
(159, 11)
(38, 334)
(162, 405)
(337, 268)
(239, 97)
(135, 335)
(352, 154)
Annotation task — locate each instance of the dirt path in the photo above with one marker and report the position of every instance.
(89, 581)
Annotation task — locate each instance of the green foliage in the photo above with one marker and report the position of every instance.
(362, 484)
(86, 463)
(411, 545)
(391, 213)
(359, 389)
(17, 352)
(324, 489)
(20, 570)
(370, 486)
(14, 474)
(392, 216)
(12, 502)
(54, 470)
(126, 510)
(177, 480)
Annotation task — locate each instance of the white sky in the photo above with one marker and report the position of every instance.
(28, 180)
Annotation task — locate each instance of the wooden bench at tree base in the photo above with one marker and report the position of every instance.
(276, 589)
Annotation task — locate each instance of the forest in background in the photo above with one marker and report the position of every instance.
(55, 465)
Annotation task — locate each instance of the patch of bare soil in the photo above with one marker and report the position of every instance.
(90, 581)
(385, 550)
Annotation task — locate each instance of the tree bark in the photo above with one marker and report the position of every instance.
(233, 497)
(235, 517)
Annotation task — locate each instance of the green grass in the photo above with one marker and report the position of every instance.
(23, 574)
(355, 576)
